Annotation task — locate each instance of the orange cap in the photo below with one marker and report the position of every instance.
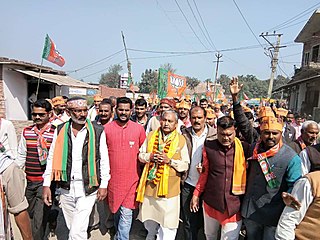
(184, 104)
(271, 123)
(58, 100)
(265, 112)
(97, 97)
(210, 113)
(282, 112)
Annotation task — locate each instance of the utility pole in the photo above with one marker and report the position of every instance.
(218, 56)
(274, 54)
(130, 83)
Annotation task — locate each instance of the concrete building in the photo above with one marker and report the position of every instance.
(19, 82)
(304, 88)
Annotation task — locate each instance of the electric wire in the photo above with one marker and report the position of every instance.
(296, 17)
(190, 25)
(204, 26)
(245, 20)
(101, 70)
(194, 16)
(96, 62)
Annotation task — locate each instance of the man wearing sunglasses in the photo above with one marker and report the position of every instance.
(33, 151)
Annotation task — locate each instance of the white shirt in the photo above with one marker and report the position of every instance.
(305, 162)
(290, 217)
(196, 156)
(92, 113)
(8, 138)
(76, 169)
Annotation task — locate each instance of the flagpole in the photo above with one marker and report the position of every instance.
(39, 79)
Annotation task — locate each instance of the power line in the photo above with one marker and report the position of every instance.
(196, 52)
(291, 25)
(199, 25)
(296, 17)
(101, 70)
(177, 29)
(190, 24)
(247, 24)
(204, 26)
(96, 62)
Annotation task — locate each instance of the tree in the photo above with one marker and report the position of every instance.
(168, 67)
(192, 82)
(279, 82)
(149, 81)
(112, 77)
(224, 80)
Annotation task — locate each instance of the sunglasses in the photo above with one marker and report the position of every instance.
(39, 114)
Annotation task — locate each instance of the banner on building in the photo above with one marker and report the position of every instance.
(176, 85)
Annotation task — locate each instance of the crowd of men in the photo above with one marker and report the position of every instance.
(220, 171)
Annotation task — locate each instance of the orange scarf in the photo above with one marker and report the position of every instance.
(60, 156)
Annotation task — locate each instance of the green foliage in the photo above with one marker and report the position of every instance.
(112, 77)
(168, 67)
(192, 82)
(149, 81)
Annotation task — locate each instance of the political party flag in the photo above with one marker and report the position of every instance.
(51, 54)
(162, 83)
(220, 94)
(176, 85)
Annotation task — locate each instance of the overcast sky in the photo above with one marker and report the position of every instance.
(88, 31)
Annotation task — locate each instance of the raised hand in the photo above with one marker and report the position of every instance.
(235, 88)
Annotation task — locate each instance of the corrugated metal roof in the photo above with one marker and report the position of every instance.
(58, 79)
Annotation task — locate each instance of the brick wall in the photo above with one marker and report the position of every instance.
(107, 91)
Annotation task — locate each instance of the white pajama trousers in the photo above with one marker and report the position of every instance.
(229, 231)
(155, 229)
(76, 212)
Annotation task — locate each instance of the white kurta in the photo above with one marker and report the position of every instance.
(164, 211)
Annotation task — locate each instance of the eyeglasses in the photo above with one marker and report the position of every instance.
(39, 114)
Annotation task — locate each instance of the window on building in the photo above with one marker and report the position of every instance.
(306, 59)
(315, 53)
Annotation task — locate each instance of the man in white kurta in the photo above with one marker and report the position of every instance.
(165, 155)
(78, 193)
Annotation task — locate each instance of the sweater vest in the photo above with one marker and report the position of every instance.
(310, 224)
(34, 170)
(98, 129)
(262, 203)
(174, 176)
(218, 191)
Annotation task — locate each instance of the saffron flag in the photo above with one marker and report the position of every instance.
(51, 54)
(176, 85)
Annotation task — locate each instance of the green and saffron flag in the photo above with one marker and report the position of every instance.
(51, 54)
